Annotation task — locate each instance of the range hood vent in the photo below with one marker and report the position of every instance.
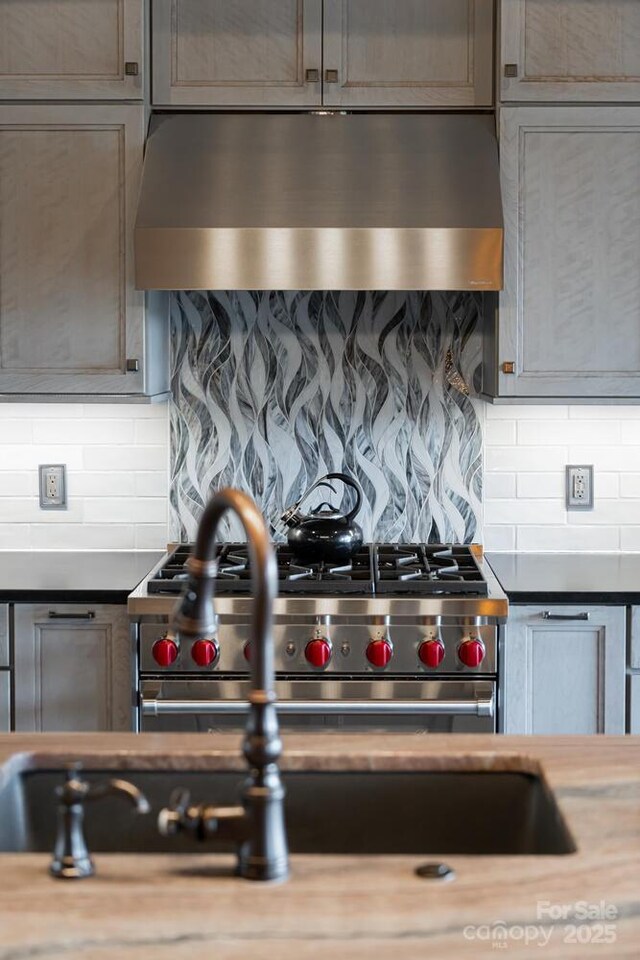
(320, 202)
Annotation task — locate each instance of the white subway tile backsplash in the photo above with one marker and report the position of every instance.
(152, 484)
(499, 538)
(523, 511)
(500, 431)
(630, 485)
(524, 411)
(525, 458)
(611, 411)
(83, 536)
(18, 484)
(548, 438)
(630, 431)
(117, 467)
(151, 536)
(126, 458)
(15, 536)
(630, 539)
(559, 539)
(499, 485)
(83, 431)
(118, 483)
(125, 510)
(568, 432)
(151, 431)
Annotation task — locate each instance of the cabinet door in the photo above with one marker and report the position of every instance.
(72, 667)
(564, 675)
(70, 317)
(580, 50)
(411, 53)
(569, 315)
(246, 53)
(71, 49)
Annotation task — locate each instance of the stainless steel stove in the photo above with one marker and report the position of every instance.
(403, 638)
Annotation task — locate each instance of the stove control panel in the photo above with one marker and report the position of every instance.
(331, 648)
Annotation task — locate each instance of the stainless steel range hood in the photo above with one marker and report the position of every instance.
(320, 202)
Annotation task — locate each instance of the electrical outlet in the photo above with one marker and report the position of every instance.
(579, 493)
(53, 486)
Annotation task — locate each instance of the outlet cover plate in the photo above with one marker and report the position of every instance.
(579, 488)
(53, 486)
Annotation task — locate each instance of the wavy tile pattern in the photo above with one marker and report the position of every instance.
(273, 389)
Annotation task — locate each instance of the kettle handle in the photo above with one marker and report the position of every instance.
(348, 482)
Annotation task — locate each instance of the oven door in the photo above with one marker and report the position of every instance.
(440, 706)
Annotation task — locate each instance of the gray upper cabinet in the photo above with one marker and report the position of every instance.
(565, 674)
(411, 53)
(247, 53)
(71, 321)
(71, 49)
(340, 53)
(571, 198)
(571, 50)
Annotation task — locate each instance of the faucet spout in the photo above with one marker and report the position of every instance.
(263, 854)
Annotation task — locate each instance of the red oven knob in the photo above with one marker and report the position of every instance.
(318, 652)
(431, 652)
(471, 652)
(204, 652)
(379, 652)
(247, 651)
(165, 651)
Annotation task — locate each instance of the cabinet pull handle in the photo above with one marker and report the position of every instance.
(312, 75)
(547, 615)
(331, 76)
(131, 68)
(511, 69)
(89, 615)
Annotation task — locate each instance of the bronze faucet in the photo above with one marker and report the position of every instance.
(258, 825)
(71, 858)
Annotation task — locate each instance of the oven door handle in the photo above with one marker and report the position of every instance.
(478, 707)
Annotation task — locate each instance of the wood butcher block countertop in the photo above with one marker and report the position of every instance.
(352, 907)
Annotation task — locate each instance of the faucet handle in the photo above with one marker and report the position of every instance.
(174, 818)
(71, 858)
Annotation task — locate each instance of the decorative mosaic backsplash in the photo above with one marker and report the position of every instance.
(271, 390)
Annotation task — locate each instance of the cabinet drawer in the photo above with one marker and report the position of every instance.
(633, 695)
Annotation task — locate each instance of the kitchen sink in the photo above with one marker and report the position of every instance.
(331, 812)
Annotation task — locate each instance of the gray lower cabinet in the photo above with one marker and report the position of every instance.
(571, 197)
(72, 667)
(563, 672)
(5, 673)
(633, 673)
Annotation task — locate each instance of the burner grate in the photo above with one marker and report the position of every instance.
(417, 570)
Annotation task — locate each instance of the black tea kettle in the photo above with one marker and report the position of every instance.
(324, 534)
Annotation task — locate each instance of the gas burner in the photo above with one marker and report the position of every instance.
(417, 570)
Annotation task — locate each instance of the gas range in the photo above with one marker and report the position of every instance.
(403, 637)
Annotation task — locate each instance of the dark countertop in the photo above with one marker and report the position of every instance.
(604, 578)
(100, 576)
